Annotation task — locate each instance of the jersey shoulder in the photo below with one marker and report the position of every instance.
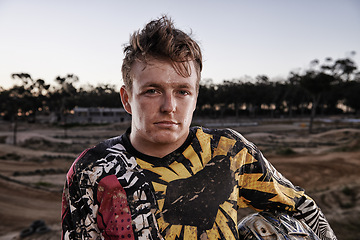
(99, 153)
(225, 132)
(240, 141)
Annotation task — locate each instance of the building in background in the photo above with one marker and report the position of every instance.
(98, 115)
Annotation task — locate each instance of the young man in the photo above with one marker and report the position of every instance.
(163, 179)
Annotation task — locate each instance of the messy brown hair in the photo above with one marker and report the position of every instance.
(160, 40)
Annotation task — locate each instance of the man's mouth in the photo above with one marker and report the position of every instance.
(166, 124)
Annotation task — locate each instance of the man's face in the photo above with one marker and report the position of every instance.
(161, 103)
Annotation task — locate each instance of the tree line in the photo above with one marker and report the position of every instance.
(328, 87)
(331, 87)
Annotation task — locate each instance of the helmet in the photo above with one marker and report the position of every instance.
(274, 226)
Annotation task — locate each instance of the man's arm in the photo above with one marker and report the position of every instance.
(78, 210)
(263, 188)
(305, 207)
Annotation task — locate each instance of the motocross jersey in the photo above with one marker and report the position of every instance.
(112, 191)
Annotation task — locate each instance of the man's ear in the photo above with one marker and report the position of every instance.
(125, 99)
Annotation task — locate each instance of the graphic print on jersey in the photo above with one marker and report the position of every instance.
(195, 202)
(197, 193)
(192, 193)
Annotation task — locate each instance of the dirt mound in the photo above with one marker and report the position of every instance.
(341, 207)
(339, 134)
(21, 205)
(318, 172)
(53, 233)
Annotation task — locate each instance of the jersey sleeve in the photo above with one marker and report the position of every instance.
(262, 187)
(78, 209)
(95, 204)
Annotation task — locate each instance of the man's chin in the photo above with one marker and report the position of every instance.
(164, 140)
(168, 137)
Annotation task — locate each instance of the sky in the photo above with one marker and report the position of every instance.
(239, 38)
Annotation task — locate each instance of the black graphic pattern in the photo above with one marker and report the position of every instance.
(113, 191)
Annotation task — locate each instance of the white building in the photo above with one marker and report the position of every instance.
(98, 115)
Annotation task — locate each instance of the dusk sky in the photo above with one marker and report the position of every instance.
(48, 38)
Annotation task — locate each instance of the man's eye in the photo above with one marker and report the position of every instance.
(150, 91)
(183, 92)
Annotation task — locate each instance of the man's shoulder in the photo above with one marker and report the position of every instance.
(221, 132)
(109, 157)
(101, 152)
(217, 134)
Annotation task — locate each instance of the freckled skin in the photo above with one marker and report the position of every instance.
(161, 103)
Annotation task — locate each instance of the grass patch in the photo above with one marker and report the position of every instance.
(351, 146)
(10, 156)
(43, 184)
(348, 191)
(3, 139)
(347, 149)
(286, 151)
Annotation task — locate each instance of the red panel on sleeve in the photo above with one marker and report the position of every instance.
(114, 216)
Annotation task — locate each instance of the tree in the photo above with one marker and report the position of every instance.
(25, 99)
(230, 93)
(352, 96)
(101, 95)
(316, 84)
(343, 68)
(63, 97)
(33, 94)
(291, 94)
(207, 98)
(268, 94)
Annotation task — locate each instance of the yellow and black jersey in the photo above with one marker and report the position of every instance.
(115, 192)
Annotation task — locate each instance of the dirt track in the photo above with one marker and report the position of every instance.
(21, 205)
(327, 165)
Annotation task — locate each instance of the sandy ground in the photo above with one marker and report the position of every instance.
(326, 164)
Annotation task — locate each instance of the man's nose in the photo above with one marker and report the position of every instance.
(169, 103)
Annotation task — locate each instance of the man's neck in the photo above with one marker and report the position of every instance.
(159, 150)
